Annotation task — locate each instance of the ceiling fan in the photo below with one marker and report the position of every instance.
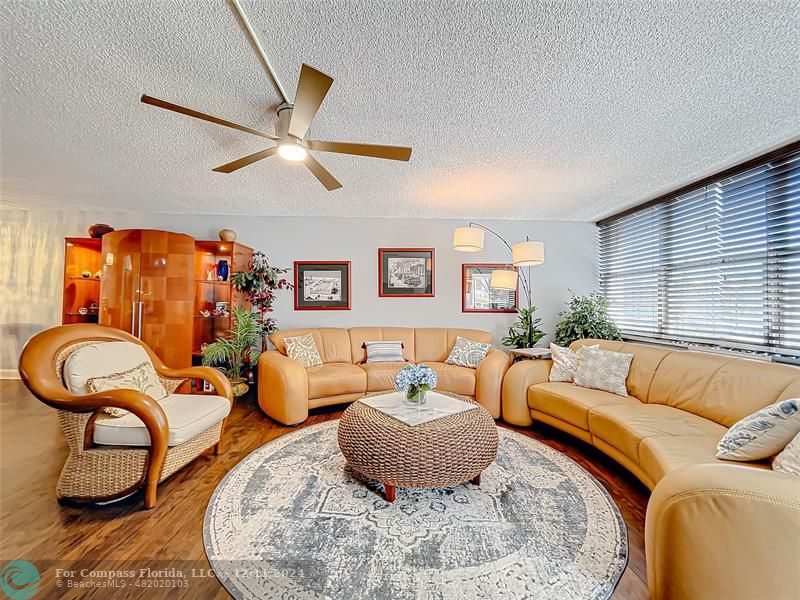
(294, 121)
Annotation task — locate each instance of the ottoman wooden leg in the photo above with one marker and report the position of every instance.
(476, 480)
(389, 492)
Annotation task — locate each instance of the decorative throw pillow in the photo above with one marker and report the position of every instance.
(762, 434)
(303, 349)
(384, 351)
(466, 353)
(142, 378)
(565, 363)
(788, 461)
(603, 370)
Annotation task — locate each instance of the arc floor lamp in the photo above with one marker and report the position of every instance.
(525, 254)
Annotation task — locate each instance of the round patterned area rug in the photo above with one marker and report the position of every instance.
(293, 521)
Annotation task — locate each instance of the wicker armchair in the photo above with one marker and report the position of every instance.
(98, 473)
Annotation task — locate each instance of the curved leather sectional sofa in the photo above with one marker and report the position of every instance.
(714, 529)
(286, 389)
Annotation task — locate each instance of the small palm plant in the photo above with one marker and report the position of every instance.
(238, 348)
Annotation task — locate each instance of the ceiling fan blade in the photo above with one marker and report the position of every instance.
(247, 160)
(373, 150)
(204, 117)
(259, 49)
(321, 173)
(312, 87)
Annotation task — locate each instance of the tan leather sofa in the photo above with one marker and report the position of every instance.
(714, 529)
(286, 390)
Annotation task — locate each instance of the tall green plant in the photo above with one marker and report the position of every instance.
(260, 283)
(585, 317)
(525, 332)
(239, 347)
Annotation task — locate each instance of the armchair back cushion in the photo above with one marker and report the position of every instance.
(104, 359)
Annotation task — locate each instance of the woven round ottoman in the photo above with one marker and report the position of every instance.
(440, 453)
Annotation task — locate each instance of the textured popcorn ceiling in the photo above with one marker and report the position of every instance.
(515, 109)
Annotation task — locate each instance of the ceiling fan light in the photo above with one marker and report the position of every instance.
(503, 279)
(292, 151)
(468, 239)
(527, 254)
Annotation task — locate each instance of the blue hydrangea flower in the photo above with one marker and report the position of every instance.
(415, 377)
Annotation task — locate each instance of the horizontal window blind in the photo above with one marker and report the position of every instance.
(718, 264)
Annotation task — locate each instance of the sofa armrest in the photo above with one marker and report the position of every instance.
(282, 388)
(489, 380)
(723, 531)
(519, 378)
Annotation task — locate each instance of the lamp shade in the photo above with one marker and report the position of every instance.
(503, 279)
(468, 239)
(527, 254)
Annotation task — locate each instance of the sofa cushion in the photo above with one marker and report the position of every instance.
(603, 370)
(333, 343)
(459, 380)
(101, 359)
(433, 344)
(303, 349)
(762, 434)
(334, 379)
(360, 335)
(187, 416)
(380, 376)
(661, 455)
(466, 353)
(572, 403)
(624, 426)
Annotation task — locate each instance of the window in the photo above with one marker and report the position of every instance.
(716, 263)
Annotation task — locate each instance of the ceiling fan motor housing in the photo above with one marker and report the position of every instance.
(282, 126)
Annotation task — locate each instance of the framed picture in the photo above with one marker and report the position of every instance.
(321, 285)
(406, 272)
(478, 296)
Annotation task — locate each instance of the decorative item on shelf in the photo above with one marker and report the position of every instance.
(216, 313)
(98, 274)
(260, 284)
(227, 235)
(93, 307)
(416, 381)
(585, 318)
(98, 230)
(523, 254)
(86, 274)
(211, 274)
(205, 313)
(234, 353)
(406, 272)
(321, 285)
(83, 310)
(222, 270)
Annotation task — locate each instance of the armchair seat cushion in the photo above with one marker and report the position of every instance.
(187, 416)
(459, 380)
(572, 403)
(380, 375)
(335, 379)
(625, 426)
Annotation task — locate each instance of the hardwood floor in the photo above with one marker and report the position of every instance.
(35, 527)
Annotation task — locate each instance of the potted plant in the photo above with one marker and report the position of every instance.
(260, 284)
(525, 332)
(585, 317)
(233, 353)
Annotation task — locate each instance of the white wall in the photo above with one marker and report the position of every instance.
(36, 273)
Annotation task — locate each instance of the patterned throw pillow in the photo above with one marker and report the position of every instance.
(303, 349)
(788, 461)
(603, 370)
(565, 363)
(762, 434)
(384, 352)
(466, 353)
(142, 377)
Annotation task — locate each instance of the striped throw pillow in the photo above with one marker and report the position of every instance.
(384, 351)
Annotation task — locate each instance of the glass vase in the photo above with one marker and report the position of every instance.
(416, 396)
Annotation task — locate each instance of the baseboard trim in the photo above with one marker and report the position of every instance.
(9, 374)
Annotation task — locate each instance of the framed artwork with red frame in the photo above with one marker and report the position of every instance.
(406, 272)
(322, 285)
(476, 294)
